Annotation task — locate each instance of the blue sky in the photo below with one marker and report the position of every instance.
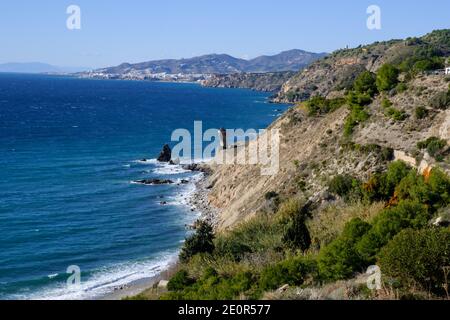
(115, 31)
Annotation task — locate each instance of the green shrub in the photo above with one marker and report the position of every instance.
(386, 103)
(336, 103)
(365, 83)
(401, 87)
(387, 154)
(433, 192)
(396, 114)
(234, 250)
(359, 99)
(381, 186)
(421, 113)
(428, 64)
(346, 187)
(408, 214)
(434, 146)
(200, 242)
(318, 105)
(395, 172)
(416, 258)
(212, 286)
(387, 77)
(340, 259)
(413, 187)
(439, 183)
(425, 58)
(180, 281)
(355, 229)
(297, 234)
(357, 115)
(292, 271)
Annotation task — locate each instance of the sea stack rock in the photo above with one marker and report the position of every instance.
(166, 154)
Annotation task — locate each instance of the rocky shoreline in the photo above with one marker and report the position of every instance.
(199, 202)
(199, 199)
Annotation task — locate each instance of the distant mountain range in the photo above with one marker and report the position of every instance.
(292, 60)
(37, 67)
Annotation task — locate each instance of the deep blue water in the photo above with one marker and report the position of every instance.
(69, 149)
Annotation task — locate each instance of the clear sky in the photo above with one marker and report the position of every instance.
(115, 31)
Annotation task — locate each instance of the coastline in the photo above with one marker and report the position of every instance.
(115, 280)
(198, 202)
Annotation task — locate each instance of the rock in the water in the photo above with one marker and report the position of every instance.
(154, 182)
(196, 167)
(166, 154)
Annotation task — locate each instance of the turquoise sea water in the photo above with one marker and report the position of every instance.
(69, 150)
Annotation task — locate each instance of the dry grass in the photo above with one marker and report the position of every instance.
(328, 223)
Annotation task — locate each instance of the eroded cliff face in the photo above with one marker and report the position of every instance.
(239, 190)
(313, 150)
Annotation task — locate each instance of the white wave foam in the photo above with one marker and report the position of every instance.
(183, 198)
(185, 161)
(167, 169)
(196, 161)
(147, 161)
(107, 280)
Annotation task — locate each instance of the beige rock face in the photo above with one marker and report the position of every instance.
(239, 190)
(402, 156)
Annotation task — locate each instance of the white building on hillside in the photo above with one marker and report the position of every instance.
(447, 70)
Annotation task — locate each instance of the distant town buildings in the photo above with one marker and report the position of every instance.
(145, 75)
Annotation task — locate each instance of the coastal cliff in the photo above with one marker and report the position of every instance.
(268, 82)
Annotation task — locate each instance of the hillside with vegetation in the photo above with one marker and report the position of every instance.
(364, 180)
(336, 73)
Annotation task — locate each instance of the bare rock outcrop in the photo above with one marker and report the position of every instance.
(166, 154)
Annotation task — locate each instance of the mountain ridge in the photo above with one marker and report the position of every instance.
(291, 60)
